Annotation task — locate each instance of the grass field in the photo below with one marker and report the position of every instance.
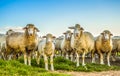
(17, 67)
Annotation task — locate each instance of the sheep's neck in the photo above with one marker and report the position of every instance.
(48, 48)
(67, 44)
(106, 45)
(30, 40)
(79, 42)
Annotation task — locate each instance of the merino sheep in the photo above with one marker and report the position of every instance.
(103, 44)
(65, 45)
(18, 42)
(46, 48)
(82, 43)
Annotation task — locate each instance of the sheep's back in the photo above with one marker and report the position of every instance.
(16, 40)
(89, 40)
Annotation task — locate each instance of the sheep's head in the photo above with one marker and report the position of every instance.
(106, 34)
(10, 31)
(49, 38)
(30, 29)
(77, 30)
(68, 35)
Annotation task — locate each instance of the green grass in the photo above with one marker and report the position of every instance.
(17, 67)
(63, 64)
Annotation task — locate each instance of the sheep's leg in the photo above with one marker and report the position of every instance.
(108, 58)
(93, 57)
(62, 53)
(29, 59)
(46, 62)
(83, 59)
(25, 58)
(71, 55)
(77, 58)
(101, 58)
(38, 58)
(51, 62)
(3, 56)
(67, 55)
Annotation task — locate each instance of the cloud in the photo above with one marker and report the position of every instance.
(15, 28)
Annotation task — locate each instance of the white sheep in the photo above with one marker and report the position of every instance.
(46, 48)
(103, 44)
(82, 43)
(25, 42)
(65, 45)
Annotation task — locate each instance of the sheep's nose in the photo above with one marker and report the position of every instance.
(77, 34)
(68, 38)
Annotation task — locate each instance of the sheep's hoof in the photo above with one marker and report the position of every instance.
(52, 69)
(108, 64)
(101, 63)
(46, 69)
(83, 64)
(77, 65)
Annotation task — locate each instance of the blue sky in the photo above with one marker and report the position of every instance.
(55, 16)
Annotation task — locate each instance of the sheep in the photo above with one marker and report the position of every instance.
(46, 48)
(82, 43)
(103, 44)
(65, 45)
(2, 45)
(116, 47)
(10, 31)
(57, 43)
(22, 42)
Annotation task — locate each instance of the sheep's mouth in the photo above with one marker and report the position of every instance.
(30, 34)
(76, 35)
(68, 39)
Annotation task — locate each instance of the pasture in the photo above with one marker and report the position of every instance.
(61, 65)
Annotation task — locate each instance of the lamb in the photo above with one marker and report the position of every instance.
(18, 42)
(103, 44)
(65, 45)
(82, 43)
(46, 48)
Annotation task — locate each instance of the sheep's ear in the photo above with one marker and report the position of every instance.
(81, 28)
(102, 33)
(64, 33)
(37, 29)
(24, 28)
(7, 33)
(44, 37)
(71, 27)
(111, 34)
(54, 37)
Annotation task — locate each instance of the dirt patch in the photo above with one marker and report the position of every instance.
(105, 73)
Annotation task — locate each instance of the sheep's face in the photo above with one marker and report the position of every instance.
(10, 31)
(77, 30)
(106, 35)
(49, 38)
(31, 29)
(68, 35)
